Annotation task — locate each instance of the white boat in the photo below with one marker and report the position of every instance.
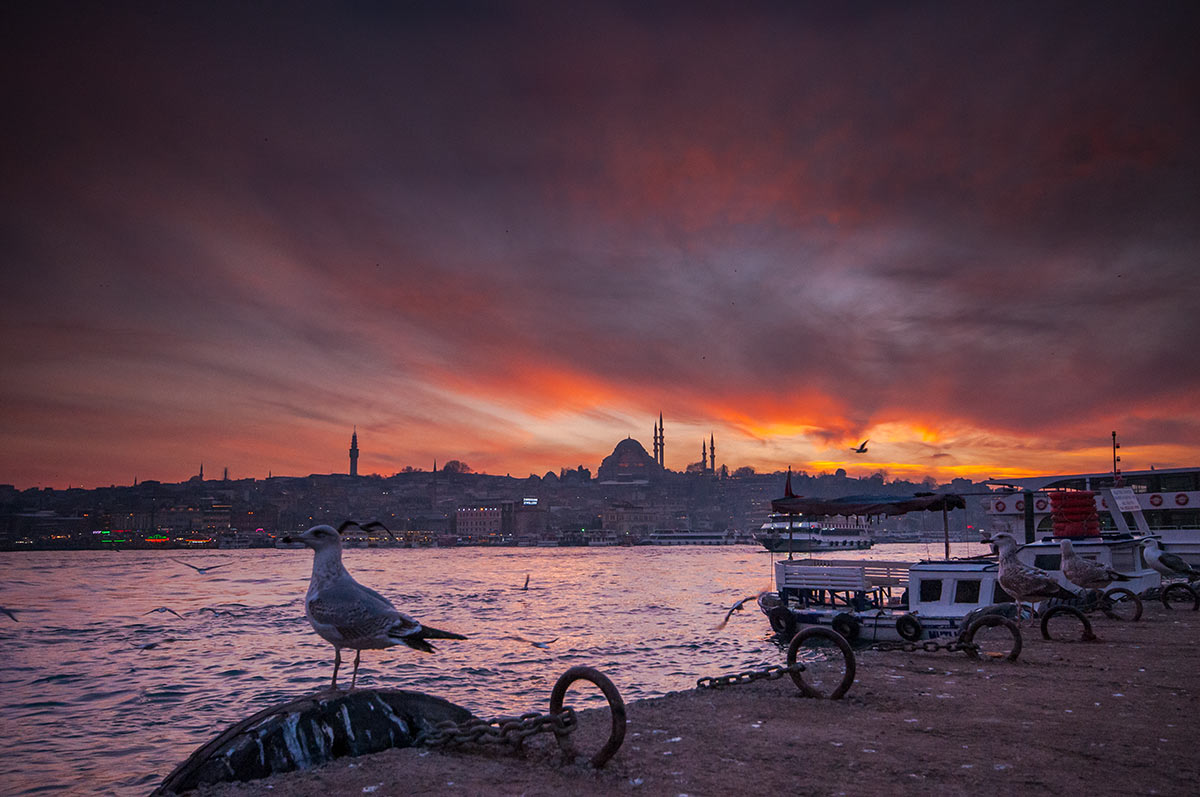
(782, 533)
(692, 537)
(880, 601)
(895, 601)
(1164, 503)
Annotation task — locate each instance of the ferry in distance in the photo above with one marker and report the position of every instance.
(783, 533)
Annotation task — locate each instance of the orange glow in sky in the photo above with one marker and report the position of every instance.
(514, 239)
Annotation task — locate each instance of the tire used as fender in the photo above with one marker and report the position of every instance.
(909, 627)
(783, 622)
(847, 625)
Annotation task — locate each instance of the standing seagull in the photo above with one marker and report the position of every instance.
(1020, 580)
(1167, 563)
(1086, 573)
(348, 615)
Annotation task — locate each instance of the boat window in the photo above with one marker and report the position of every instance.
(966, 592)
(1048, 561)
(1000, 596)
(1178, 482)
(931, 590)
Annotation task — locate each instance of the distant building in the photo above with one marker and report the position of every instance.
(354, 452)
(629, 464)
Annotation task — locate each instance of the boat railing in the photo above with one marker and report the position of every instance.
(880, 573)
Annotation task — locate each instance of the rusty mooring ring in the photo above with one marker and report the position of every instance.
(615, 704)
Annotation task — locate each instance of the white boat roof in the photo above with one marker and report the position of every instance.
(1035, 483)
(958, 565)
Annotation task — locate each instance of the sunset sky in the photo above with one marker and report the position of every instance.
(514, 233)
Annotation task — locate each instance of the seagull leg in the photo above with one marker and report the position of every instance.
(354, 678)
(337, 662)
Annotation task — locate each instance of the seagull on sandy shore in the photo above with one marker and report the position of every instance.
(1087, 573)
(1168, 563)
(348, 615)
(201, 570)
(162, 609)
(1021, 581)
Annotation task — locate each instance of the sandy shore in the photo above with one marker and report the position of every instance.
(1117, 716)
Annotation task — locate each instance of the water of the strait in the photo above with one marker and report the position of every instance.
(99, 693)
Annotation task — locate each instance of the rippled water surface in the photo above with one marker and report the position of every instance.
(101, 694)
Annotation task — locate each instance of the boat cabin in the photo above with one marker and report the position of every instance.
(1121, 552)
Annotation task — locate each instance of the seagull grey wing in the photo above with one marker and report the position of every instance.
(1173, 562)
(350, 618)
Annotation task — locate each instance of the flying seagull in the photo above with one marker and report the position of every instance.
(200, 570)
(161, 609)
(10, 613)
(1168, 563)
(526, 582)
(737, 607)
(348, 615)
(543, 645)
(1085, 572)
(1022, 582)
(862, 447)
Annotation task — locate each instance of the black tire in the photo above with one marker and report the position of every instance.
(1131, 604)
(992, 621)
(909, 627)
(847, 626)
(1180, 592)
(1054, 611)
(850, 664)
(783, 622)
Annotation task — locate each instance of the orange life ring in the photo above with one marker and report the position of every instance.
(1181, 499)
(1156, 500)
(1000, 506)
(1019, 506)
(1041, 504)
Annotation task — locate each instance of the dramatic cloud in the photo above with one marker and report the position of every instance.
(513, 235)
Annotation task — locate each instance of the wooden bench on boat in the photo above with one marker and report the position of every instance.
(846, 580)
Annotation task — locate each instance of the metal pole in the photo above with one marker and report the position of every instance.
(946, 528)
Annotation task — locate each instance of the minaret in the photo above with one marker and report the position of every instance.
(354, 452)
(712, 453)
(703, 457)
(662, 444)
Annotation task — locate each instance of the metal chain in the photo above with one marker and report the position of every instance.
(928, 646)
(748, 676)
(501, 730)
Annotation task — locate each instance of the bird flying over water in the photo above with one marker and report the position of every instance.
(161, 609)
(543, 645)
(737, 607)
(200, 570)
(1168, 563)
(1086, 573)
(9, 612)
(526, 582)
(1021, 581)
(348, 615)
(862, 447)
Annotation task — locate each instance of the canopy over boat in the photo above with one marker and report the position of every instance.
(867, 504)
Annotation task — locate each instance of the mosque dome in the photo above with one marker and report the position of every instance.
(629, 462)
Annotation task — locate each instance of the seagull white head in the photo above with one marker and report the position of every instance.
(318, 538)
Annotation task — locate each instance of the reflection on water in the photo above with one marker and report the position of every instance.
(102, 693)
